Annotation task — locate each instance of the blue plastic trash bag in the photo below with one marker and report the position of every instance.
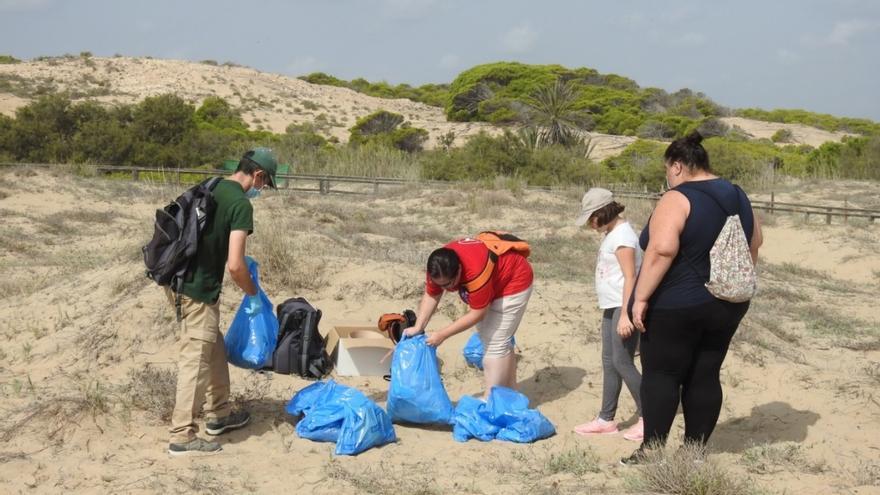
(471, 420)
(341, 414)
(510, 411)
(322, 427)
(505, 416)
(251, 339)
(473, 350)
(529, 427)
(416, 393)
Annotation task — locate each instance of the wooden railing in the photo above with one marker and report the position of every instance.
(323, 184)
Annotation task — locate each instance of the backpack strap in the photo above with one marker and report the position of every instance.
(177, 280)
(727, 214)
(482, 279)
(212, 182)
(739, 192)
(177, 287)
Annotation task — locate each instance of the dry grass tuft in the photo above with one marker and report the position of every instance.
(152, 390)
(773, 458)
(56, 415)
(576, 461)
(386, 480)
(866, 473)
(686, 472)
(285, 261)
(255, 389)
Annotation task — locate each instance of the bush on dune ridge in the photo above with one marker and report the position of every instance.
(551, 150)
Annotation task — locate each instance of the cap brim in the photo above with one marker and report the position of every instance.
(583, 217)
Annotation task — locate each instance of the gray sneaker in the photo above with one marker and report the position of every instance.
(233, 421)
(195, 447)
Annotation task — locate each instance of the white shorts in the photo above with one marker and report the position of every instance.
(501, 322)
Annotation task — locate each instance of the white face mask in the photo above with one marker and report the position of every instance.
(252, 193)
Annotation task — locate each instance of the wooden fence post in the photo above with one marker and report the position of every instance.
(772, 201)
(376, 188)
(845, 212)
(134, 174)
(828, 216)
(324, 186)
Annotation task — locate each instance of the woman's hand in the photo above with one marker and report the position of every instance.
(435, 339)
(624, 326)
(640, 309)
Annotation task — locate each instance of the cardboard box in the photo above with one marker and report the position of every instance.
(359, 350)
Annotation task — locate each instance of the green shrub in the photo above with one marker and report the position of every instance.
(640, 163)
(387, 128)
(711, 127)
(9, 59)
(743, 161)
(378, 122)
(409, 139)
(321, 78)
(782, 136)
(483, 157)
(215, 112)
(430, 94)
(163, 119)
(607, 103)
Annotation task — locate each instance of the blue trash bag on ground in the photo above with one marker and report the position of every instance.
(340, 414)
(322, 427)
(471, 420)
(505, 416)
(416, 393)
(251, 339)
(473, 350)
(510, 411)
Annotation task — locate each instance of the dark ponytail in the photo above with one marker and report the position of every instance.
(688, 151)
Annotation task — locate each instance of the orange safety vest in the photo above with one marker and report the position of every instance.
(498, 243)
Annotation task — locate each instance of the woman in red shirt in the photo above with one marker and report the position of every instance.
(496, 289)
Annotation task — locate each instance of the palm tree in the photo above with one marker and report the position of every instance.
(552, 110)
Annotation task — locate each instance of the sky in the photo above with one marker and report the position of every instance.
(818, 55)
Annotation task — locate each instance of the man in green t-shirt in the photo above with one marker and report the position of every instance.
(202, 371)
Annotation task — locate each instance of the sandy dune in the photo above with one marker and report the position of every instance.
(78, 316)
(274, 101)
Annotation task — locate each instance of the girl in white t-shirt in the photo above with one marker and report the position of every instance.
(616, 267)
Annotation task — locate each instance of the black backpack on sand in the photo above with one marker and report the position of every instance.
(176, 233)
(300, 349)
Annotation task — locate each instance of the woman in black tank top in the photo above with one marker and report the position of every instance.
(686, 331)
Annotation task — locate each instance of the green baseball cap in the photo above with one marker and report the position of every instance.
(265, 159)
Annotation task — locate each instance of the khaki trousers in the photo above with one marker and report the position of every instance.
(202, 371)
(501, 322)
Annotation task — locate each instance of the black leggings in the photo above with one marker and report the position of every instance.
(681, 353)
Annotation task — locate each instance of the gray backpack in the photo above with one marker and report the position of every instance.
(176, 233)
(300, 350)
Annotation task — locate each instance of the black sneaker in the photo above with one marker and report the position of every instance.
(637, 458)
(195, 447)
(233, 421)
